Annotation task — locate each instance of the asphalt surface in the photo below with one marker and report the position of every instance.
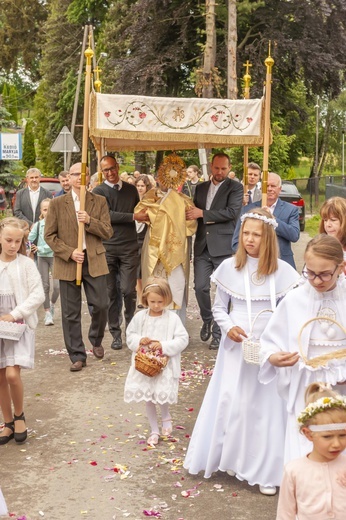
(86, 456)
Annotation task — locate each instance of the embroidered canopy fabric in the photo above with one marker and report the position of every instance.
(144, 123)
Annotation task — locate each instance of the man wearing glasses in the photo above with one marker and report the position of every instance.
(61, 234)
(122, 248)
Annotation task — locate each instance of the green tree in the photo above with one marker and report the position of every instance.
(29, 153)
(13, 104)
(55, 94)
(21, 35)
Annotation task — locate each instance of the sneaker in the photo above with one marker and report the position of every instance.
(52, 310)
(48, 319)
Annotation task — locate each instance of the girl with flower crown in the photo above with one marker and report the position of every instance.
(314, 486)
(290, 336)
(241, 424)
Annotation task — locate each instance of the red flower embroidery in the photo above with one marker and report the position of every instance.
(142, 115)
(107, 114)
(249, 119)
(214, 118)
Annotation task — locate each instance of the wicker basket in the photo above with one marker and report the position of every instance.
(149, 366)
(11, 330)
(251, 346)
(320, 360)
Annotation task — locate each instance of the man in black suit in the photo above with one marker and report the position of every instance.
(28, 200)
(122, 248)
(218, 203)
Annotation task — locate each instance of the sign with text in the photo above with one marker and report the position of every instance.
(10, 147)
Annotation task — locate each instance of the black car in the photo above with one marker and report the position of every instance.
(290, 193)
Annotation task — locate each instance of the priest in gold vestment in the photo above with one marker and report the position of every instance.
(167, 246)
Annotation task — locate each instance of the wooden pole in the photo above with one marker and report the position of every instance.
(247, 80)
(88, 54)
(269, 62)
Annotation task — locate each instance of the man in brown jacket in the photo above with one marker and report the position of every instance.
(61, 234)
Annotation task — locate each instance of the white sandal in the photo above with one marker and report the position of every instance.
(153, 439)
(166, 432)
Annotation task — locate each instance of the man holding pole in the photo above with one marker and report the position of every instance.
(61, 234)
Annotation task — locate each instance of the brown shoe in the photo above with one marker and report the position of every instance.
(77, 366)
(98, 352)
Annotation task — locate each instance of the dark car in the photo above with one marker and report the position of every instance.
(290, 193)
(48, 183)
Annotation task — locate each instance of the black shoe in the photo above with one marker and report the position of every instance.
(214, 345)
(7, 438)
(20, 437)
(117, 344)
(206, 330)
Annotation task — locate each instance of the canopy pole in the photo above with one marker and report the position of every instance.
(269, 62)
(88, 54)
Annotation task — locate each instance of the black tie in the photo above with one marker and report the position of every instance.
(116, 187)
(250, 198)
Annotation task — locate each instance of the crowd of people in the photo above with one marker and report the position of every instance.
(135, 265)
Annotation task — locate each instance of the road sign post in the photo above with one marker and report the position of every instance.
(65, 143)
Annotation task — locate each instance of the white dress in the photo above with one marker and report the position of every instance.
(169, 330)
(241, 423)
(282, 333)
(20, 352)
(3, 506)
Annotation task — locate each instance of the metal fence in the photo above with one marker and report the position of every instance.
(316, 190)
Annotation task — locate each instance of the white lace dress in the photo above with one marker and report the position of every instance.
(169, 330)
(20, 352)
(241, 423)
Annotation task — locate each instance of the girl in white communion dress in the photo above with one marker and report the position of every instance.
(241, 424)
(323, 296)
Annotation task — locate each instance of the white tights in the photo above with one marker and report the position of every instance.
(152, 416)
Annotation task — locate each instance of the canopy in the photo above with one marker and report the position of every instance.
(144, 123)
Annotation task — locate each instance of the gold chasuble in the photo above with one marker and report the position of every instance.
(166, 246)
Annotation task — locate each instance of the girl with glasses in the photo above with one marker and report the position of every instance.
(322, 297)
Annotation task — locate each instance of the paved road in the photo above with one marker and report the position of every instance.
(86, 456)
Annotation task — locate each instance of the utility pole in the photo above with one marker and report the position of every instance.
(76, 98)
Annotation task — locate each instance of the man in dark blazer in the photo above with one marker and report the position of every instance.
(61, 234)
(122, 248)
(28, 200)
(218, 203)
(254, 193)
(286, 215)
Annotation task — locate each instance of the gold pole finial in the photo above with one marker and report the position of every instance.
(89, 53)
(247, 79)
(97, 82)
(269, 62)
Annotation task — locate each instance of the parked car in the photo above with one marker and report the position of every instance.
(48, 183)
(290, 193)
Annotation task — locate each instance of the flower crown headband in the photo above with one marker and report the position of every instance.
(266, 220)
(321, 405)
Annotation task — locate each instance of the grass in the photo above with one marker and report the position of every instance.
(312, 225)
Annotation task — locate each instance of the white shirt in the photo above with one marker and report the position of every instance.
(34, 195)
(76, 202)
(213, 189)
(119, 183)
(272, 208)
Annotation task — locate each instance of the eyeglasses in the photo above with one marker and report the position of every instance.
(111, 169)
(324, 277)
